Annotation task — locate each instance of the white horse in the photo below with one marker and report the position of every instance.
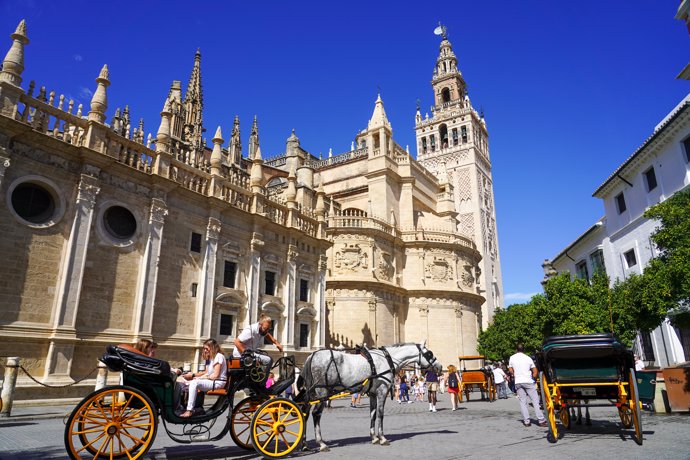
(328, 372)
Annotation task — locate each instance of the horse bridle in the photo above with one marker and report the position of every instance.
(428, 355)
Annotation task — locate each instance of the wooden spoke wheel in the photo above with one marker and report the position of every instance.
(635, 407)
(625, 413)
(277, 427)
(113, 422)
(564, 417)
(241, 421)
(549, 408)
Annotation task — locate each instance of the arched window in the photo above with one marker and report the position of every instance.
(445, 95)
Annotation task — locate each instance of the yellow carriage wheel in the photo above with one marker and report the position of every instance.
(241, 422)
(277, 427)
(625, 413)
(549, 408)
(564, 417)
(636, 408)
(113, 422)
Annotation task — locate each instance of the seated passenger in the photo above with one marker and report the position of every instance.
(252, 338)
(144, 346)
(212, 378)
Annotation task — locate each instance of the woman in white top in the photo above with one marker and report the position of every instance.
(212, 378)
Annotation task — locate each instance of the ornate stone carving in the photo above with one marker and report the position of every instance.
(330, 305)
(351, 257)
(423, 310)
(323, 263)
(439, 269)
(466, 277)
(91, 170)
(372, 304)
(213, 229)
(88, 190)
(384, 269)
(292, 253)
(158, 211)
(458, 312)
(257, 242)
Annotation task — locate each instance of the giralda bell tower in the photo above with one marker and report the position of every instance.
(454, 142)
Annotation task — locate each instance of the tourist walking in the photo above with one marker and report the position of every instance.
(404, 394)
(525, 372)
(500, 381)
(431, 387)
(453, 386)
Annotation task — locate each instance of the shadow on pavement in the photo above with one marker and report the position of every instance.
(367, 439)
(16, 424)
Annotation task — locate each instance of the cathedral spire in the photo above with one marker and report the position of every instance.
(193, 106)
(449, 85)
(254, 139)
(13, 64)
(379, 118)
(235, 148)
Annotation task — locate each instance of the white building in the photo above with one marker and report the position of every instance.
(620, 242)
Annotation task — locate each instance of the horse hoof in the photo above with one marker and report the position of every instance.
(386, 443)
(324, 449)
(374, 441)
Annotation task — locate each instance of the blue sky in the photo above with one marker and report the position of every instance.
(569, 89)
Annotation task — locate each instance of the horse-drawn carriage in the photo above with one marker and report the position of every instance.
(477, 378)
(578, 369)
(121, 421)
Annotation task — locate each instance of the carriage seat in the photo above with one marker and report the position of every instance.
(125, 357)
(234, 365)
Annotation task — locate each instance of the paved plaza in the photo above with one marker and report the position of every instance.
(477, 430)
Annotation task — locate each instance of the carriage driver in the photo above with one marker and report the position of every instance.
(252, 338)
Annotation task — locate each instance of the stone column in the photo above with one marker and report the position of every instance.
(4, 164)
(148, 271)
(320, 303)
(372, 321)
(254, 278)
(289, 300)
(423, 323)
(459, 345)
(59, 359)
(206, 290)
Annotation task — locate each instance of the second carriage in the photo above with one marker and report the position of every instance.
(477, 378)
(121, 421)
(588, 371)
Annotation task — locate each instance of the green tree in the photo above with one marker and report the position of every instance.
(516, 324)
(665, 283)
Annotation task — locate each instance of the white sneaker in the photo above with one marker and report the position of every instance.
(433, 409)
(410, 402)
(454, 409)
(399, 402)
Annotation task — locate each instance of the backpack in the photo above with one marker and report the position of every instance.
(453, 380)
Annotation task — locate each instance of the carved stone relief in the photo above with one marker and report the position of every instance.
(351, 257)
(438, 269)
(384, 268)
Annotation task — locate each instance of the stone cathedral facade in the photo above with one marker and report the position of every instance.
(111, 235)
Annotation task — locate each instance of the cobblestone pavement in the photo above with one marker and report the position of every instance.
(477, 430)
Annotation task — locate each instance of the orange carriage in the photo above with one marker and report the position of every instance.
(477, 378)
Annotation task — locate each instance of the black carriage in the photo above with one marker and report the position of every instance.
(121, 421)
(579, 369)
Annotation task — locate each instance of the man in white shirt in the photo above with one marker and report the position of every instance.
(252, 338)
(500, 381)
(525, 372)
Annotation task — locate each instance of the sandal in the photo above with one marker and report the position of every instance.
(186, 414)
